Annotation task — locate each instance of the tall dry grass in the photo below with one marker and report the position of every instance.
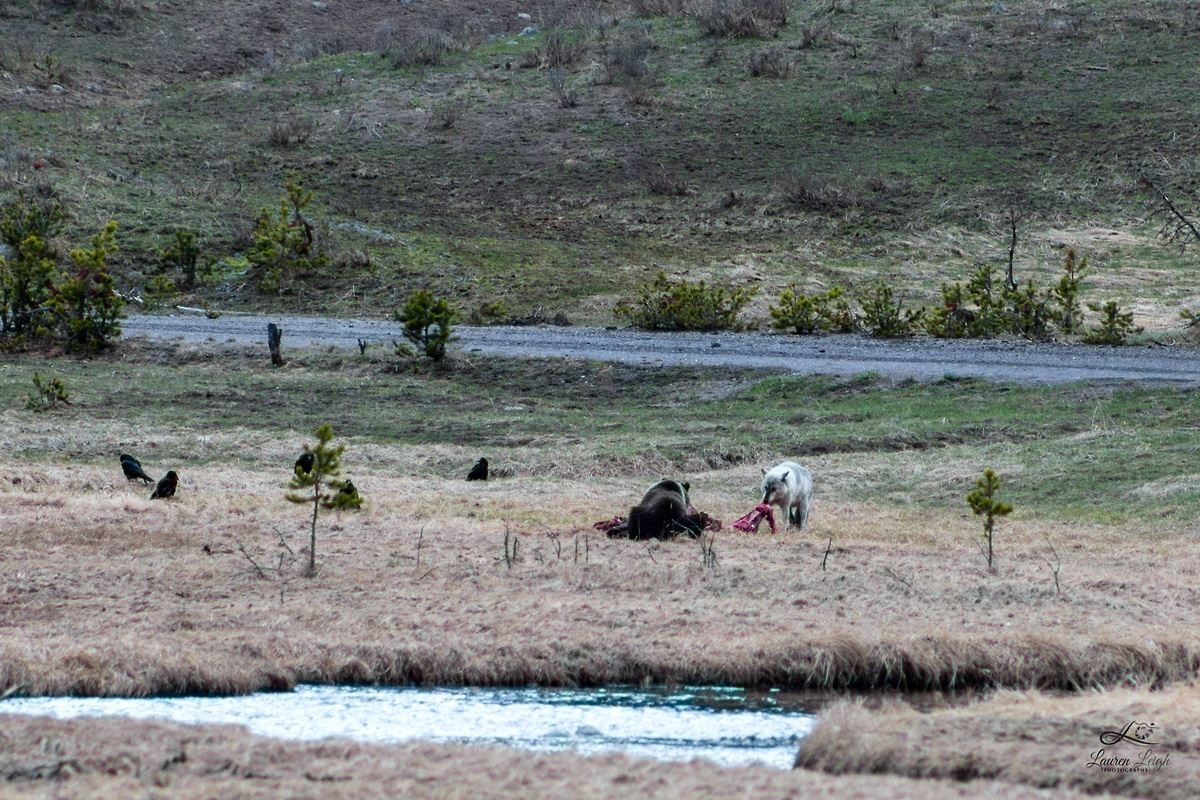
(1030, 739)
(107, 592)
(128, 758)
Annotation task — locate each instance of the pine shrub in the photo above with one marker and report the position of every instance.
(681, 305)
(1065, 294)
(47, 394)
(427, 320)
(284, 242)
(885, 317)
(1115, 327)
(84, 310)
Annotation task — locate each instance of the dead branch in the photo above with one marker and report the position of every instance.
(1010, 280)
(889, 572)
(283, 543)
(261, 573)
(1176, 228)
(1054, 565)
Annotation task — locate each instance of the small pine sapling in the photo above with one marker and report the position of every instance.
(985, 294)
(812, 313)
(1115, 325)
(182, 254)
(47, 394)
(427, 321)
(27, 216)
(952, 319)
(285, 242)
(683, 305)
(837, 314)
(797, 311)
(885, 317)
(1028, 310)
(982, 500)
(1065, 294)
(25, 283)
(322, 486)
(84, 307)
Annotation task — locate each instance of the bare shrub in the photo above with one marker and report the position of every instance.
(886, 188)
(918, 55)
(567, 97)
(641, 92)
(443, 117)
(17, 52)
(530, 59)
(659, 179)
(241, 233)
(310, 49)
(811, 192)
(659, 8)
(382, 40)
(818, 34)
(426, 49)
(463, 30)
(291, 131)
(746, 19)
(772, 63)
(354, 259)
(628, 60)
(558, 50)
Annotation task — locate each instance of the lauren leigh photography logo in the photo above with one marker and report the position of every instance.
(1130, 749)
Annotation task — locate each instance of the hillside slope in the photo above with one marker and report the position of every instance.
(895, 143)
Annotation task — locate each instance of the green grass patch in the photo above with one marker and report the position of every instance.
(1091, 452)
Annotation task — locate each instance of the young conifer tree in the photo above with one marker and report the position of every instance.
(322, 486)
(984, 503)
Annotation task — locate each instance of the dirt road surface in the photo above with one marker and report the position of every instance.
(1018, 361)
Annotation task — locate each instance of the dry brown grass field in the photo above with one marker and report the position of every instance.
(1023, 738)
(111, 758)
(108, 592)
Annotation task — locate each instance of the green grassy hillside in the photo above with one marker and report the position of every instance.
(896, 146)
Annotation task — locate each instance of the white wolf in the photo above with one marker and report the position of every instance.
(789, 487)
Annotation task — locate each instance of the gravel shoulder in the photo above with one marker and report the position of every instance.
(1016, 361)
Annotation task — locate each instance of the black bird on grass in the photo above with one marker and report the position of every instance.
(305, 464)
(133, 469)
(479, 471)
(166, 487)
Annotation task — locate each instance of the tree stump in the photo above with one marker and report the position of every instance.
(274, 334)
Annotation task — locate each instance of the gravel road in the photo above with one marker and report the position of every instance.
(1023, 362)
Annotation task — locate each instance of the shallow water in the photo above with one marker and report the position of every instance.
(725, 725)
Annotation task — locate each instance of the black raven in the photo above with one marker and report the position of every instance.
(479, 471)
(166, 487)
(305, 464)
(133, 469)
